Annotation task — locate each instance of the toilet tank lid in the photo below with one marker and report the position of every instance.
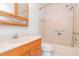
(47, 45)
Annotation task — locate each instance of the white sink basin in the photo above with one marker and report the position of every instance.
(14, 41)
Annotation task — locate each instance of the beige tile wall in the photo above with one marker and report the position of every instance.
(56, 18)
(63, 18)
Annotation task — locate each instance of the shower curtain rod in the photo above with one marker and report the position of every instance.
(45, 5)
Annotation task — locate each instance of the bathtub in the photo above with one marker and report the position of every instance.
(61, 50)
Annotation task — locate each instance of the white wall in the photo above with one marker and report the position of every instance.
(7, 30)
(34, 19)
(33, 27)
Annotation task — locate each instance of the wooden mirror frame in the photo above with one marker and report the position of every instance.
(15, 15)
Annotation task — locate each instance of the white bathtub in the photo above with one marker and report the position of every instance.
(61, 50)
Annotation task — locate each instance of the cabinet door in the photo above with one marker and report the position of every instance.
(36, 51)
(26, 54)
(57, 20)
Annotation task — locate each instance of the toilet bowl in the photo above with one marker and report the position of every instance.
(47, 49)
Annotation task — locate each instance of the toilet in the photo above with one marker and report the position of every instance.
(47, 49)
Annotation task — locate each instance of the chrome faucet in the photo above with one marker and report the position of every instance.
(15, 36)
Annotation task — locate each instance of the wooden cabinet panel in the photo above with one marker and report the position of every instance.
(26, 54)
(76, 27)
(36, 51)
(22, 50)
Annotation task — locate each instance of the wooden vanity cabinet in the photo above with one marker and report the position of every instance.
(31, 49)
(36, 51)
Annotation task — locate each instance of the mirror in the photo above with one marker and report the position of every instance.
(7, 7)
(14, 14)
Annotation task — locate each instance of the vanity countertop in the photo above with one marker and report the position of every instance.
(13, 43)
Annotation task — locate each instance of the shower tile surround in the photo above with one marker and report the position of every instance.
(48, 29)
(57, 25)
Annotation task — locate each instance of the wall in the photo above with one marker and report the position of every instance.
(57, 23)
(33, 19)
(33, 27)
(7, 29)
(8, 32)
